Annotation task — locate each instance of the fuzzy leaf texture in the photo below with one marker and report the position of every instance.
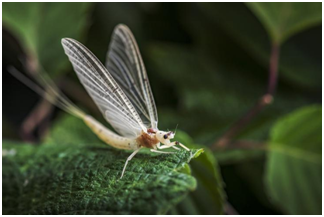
(83, 178)
(205, 168)
(294, 166)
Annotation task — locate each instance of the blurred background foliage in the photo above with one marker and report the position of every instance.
(208, 64)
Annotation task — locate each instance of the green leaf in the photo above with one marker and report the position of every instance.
(294, 166)
(84, 179)
(284, 19)
(74, 173)
(209, 182)
(40, 27)
(209, 198)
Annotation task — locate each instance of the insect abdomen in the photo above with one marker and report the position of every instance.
(109, 136)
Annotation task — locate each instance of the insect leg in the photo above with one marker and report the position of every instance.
(166, 146)
(172, 145)
(169, 145)
(176, 148)
(128, 159)
(161, 152)
(183, 146)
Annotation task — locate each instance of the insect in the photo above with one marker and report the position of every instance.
(121, 90)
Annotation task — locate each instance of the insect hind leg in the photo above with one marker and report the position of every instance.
(128, 159)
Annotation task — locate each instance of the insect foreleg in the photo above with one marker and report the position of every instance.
(172, 145)
(128, 159)
(166, 146)
(183, 146)
(176, 148)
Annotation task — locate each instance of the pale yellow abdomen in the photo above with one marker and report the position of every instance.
(109, 136)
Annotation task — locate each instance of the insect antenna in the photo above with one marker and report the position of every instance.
(175, 131)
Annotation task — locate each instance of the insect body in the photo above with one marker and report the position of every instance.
(122, 92)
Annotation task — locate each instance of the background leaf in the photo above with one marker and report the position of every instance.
(284, 19)
(294, 167)
(299, 57)
(35, 25)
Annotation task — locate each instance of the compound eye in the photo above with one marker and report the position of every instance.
(165, 136)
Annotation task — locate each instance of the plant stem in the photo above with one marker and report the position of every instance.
(38, 115)
(265, 100)
(273, 69)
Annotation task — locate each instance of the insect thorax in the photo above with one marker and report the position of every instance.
(147, 140)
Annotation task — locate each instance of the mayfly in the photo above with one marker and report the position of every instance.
(121, 90)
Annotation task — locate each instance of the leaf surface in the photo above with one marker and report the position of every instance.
(294, 165)
(84, 178)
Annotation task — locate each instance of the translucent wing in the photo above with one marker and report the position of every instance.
(125, 64)
(106, 93)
